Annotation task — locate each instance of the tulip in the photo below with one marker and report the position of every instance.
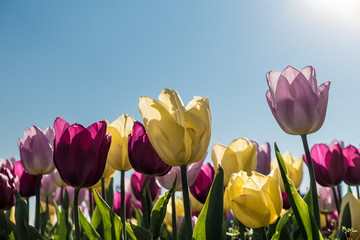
(8, 183)
(137, 181)
(118, 152)
(352, 165)
(326, 200)
(255, 200)
(294, 168)
(297, 103)
(27, 181)
(239, 156)
(80, 156)
(354, 205)
(142, 155)
(36, 150)
(80, 153)
(201, 187)
(286, 201)
(328, 164)
(196, 206)
(263, 157)
(180, 135)
(83, 196)
(57, 179)
(193, 170)
(48, 188)
(130, 211)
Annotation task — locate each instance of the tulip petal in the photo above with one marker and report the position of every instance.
(60, 125)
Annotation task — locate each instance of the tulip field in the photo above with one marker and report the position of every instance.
(173, 194)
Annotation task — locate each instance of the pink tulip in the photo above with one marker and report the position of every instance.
(130, 212)
(36, 150)
(193, 170)
(328, 164)
(201, 187)
(48, 188)
(80, 153)
(27, 181)
(137, 182)
(352, 165)
(296, 101)
(326, 199)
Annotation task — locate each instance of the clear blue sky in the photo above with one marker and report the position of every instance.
(89, 60)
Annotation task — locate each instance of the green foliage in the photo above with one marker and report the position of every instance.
(345, 222)
(210, 220)
(88, 228)
(300, 209)
(159, 211)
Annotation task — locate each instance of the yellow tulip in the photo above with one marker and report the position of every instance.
(195, 205)
(239, 156)
(294, 167)
(118, 152)
(255, 200)
(179, 210)
(109, 171)
(97, 186)
(180, 135)
(354, 205)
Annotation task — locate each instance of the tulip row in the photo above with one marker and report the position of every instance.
(243, 189)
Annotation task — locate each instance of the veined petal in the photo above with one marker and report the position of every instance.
(60, 125)
(310, 74)
(173, 104)
(116, 157)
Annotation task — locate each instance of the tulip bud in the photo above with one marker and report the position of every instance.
(137, 182)
(36, 150)
(296, 101)
(352, 165)
(142, 155)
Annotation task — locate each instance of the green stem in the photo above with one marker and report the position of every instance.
(47, 203)
(37, 206)
(144, 203)
(241, 230)
(173, 213)
(28, 208)
(327, 220)
(62, 194)
(263, 233)
(339, 192)
(76, 213)
(122, 204)
(103, 189)
(313, 188)
(358, 192)
(336, 199)
(91, 202)
(186, 199)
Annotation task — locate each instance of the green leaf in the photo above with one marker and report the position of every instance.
(21, 217)
(304, 218)
(87, 227)
(211, 216)
(45, 217)
(281, 224)
(142, 233)
(34, 234)
(181, 233)
(110, 194)
(130, 232)
(159, 211)
(345, 221)
(111, 221)
(138, 215)
(6, 226)
(65, 226)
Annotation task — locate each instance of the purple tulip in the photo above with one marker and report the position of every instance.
(352, 165)
(8, 183)
(48, 187)
(80, 153)
(297, 103)
(137, 182)
(328, 164)
(36, 150)
(27, 181)
(201, 187)
(286, 201)
(263, 156)
(193, 170)
(142, 155)
(130, 211)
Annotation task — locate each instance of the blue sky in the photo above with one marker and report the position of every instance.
(89, 60)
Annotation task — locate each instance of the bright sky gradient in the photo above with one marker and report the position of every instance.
(89, 60)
